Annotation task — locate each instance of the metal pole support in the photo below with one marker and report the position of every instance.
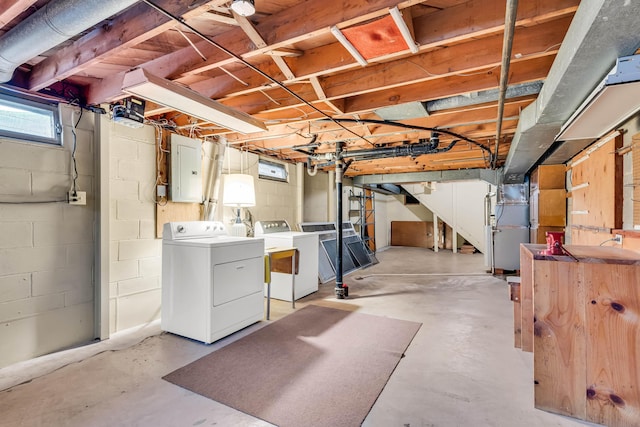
(342, 291)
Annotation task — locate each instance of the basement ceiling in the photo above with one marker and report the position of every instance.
(444, 85)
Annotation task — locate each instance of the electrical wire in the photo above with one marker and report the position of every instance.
(251, 66)
(33, 202)
(159, 200)
(74, 174)
(403, 125)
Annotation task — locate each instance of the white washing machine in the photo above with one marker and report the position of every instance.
(279, 234)
(212, 283)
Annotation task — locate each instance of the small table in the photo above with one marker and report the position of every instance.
(275, 254)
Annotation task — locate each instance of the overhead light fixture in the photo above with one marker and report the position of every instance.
(404, 29)
(243, 7)
(613, 101)
(164, 92)
(239, 192)
(347, 45)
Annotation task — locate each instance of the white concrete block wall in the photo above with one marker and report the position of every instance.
(315, 197)
(274, 200)
(135, 253)
(46, 250)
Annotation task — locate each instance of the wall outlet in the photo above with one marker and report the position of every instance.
(77, 197)
(161, 191)
(618, 239)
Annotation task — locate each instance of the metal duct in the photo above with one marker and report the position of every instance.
(601, 31)
(51, 25)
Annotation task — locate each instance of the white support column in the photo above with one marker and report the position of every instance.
(299, 193)
(436, 233)
(454, 242)
(454, 226)
(102, 253)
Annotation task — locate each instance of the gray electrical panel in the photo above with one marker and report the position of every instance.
(186, 169)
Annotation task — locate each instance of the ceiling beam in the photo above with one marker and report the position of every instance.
(452, 24)
(297, 23)
(133, 26)
(525, 70)
(286, 28)
(328, 132)
(253, 34)
(521, 72)
(10, 9)
(330, 59)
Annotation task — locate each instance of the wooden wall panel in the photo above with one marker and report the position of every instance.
(613, 344)
(412, 233)
(587, 333)
(597, 208)
(559, 341)
(636, 178)
(526, 297)
(176, 212)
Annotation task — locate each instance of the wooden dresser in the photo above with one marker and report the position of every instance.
(582, 321)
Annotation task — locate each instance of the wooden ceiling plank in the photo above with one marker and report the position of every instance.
(247, 27)
(449, 118)
(461, 58)
(218, 17)
(286, 52)
(521, 72)
(398, 94)
(450, 25)
(328, 132)
(315, 16)
(135, 25)
(315, 83)
(185, 61)
(336, 105)
(302, 22)
(11, 9)
(256, 38)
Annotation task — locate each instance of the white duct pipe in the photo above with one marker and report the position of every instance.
(213, 189)
(51, 25)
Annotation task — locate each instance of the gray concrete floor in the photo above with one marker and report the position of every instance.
(460, 370)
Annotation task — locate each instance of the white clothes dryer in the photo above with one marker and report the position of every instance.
(212, 283)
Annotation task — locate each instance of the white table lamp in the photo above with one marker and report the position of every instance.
(239, 193)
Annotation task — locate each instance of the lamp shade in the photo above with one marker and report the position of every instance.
(239, 191)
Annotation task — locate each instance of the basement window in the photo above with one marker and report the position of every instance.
(28, 119)
(272, 171)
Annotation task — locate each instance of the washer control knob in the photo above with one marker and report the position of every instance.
(180, 229)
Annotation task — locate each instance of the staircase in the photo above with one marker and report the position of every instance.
(459, 204)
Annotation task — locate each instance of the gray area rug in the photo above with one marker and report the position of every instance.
(316, 367)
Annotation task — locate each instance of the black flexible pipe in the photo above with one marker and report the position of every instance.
(406, 126)
(412, 150)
